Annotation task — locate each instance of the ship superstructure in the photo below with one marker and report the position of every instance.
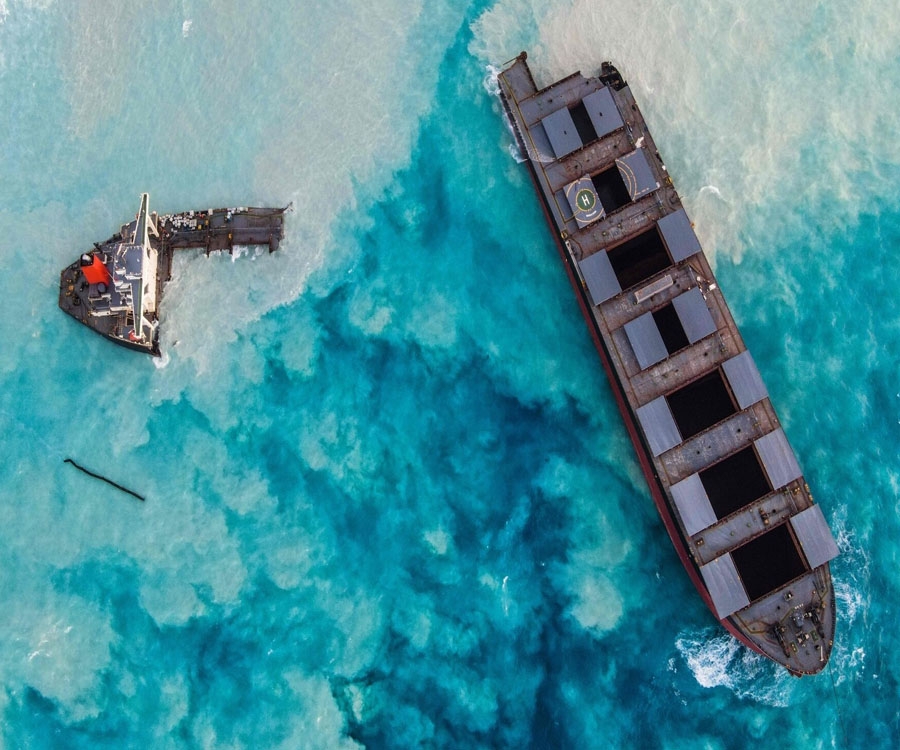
(115, 288)
(720, 469)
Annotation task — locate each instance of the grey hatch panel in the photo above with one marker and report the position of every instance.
(693, 504)
(814, 536)
(746, 384)
(599, 276)
(637, 174)
(724, 584)
(696, 320)
(778, 458)
(603, 112)
(643, 335)
(659, 426)
(679, 235)
(560, 129)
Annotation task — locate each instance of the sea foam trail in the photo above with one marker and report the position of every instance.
(717, 660)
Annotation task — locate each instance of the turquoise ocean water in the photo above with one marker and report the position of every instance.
(390, 502)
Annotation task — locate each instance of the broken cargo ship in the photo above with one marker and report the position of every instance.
(718, 464)
(116, 288)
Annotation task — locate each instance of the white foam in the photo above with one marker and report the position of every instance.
(852, 587)
(716, 659)
(491, 84)
(515, 153)
(851, 601)
(491, 81)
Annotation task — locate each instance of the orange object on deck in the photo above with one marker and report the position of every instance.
(96, 272)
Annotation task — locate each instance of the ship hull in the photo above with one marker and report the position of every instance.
(759, 623)
(116, 288)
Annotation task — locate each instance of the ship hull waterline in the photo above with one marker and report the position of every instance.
(815, 582)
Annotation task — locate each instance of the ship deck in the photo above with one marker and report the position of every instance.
(215, 230)
(719, 467)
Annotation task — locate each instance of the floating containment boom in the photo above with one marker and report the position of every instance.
(104, 479)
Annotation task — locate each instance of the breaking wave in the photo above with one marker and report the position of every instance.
(716, 659)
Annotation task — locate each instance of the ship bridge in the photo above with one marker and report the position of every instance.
(122, 279)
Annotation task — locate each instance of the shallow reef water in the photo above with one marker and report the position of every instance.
(390, 501)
